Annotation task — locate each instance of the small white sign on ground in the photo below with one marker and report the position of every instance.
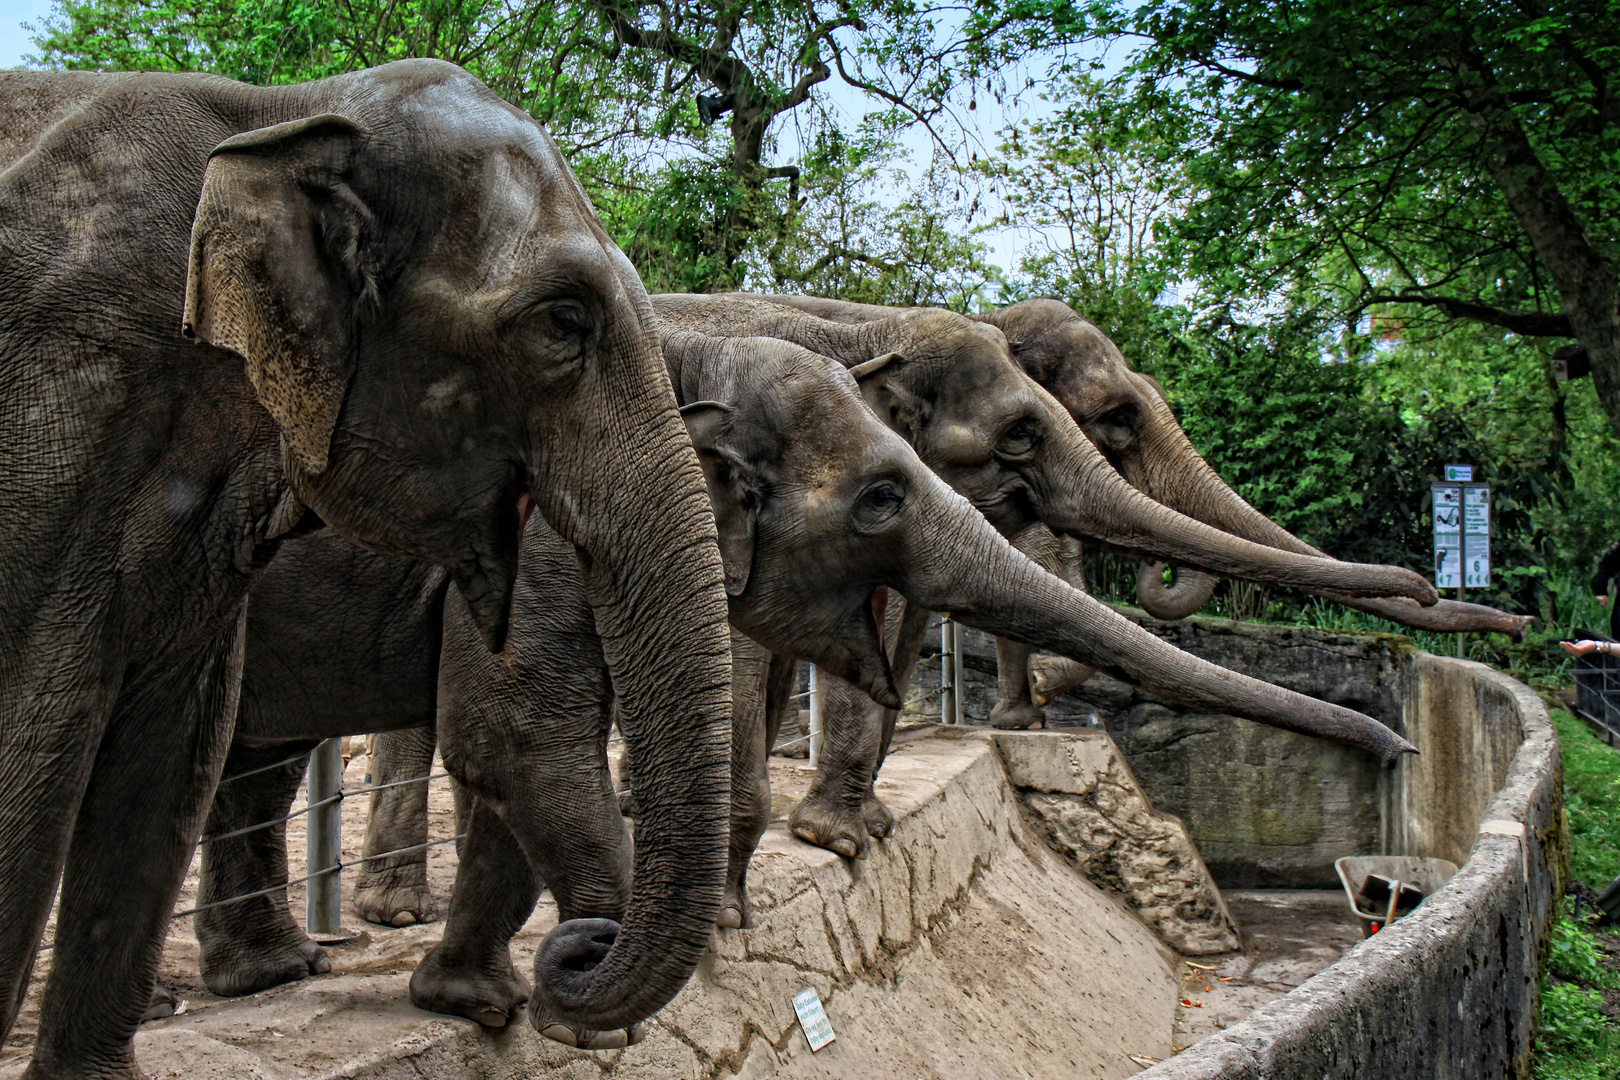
(813, 1020)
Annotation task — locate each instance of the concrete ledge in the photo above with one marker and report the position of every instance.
(1450, 991)
(962, 948)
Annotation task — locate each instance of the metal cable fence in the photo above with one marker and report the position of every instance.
(323, 805)
(1597, 693)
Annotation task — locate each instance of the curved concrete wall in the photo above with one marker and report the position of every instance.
(1451, 990)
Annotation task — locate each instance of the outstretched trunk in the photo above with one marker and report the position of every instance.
(956, 563)
(1175, 474)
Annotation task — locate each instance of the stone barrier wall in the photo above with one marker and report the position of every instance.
(1451, 990)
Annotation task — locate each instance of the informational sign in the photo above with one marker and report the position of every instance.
(1462, 534)
(813, 1020)
(1459, 474)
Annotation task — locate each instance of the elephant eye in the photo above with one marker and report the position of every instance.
(1122, 419)
(1019, 439)
(879, 502)
(569, 320)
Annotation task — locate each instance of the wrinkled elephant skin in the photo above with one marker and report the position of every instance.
(381, 299)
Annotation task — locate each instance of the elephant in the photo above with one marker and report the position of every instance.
(998, 438)
(230, 313)
(1125, 415)
(823, 512)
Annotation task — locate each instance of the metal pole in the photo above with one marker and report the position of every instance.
(815, 717)
(956, 673)
(948, 656)
(323, 906)
(1462, 558)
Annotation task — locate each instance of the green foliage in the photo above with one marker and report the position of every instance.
(1591, 799)
(1578, 1042)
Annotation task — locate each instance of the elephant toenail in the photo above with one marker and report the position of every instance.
(491, 1018)
(730, 918)
(404, 918)
(320, 965)
(808, 835)
(845, 847)
(561, 1033)
(617, 1039)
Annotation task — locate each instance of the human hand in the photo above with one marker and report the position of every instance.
(1580, 648)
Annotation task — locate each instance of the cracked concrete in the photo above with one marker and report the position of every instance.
(961, 948)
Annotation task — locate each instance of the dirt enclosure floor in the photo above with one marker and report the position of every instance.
(961, 948)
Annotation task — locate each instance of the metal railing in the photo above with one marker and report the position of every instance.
(1597, 693)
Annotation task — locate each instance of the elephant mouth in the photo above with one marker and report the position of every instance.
(878, 604)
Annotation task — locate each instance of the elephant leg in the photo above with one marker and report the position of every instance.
(526, 733)
(393, 890)
(252, 944)
(1051, 675)
(470, 972)
(133, 836)
(841, 811)
(1016, 707)
(761, 685)
(47, 747)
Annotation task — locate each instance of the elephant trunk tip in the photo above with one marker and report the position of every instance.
(1399, 750)
(564, 969)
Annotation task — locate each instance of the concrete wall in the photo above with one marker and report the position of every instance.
(1267, 808)
(1451, 990)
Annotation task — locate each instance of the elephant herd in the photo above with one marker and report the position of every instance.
(279, 366)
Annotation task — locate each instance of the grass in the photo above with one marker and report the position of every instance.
(1592, 800)
(1580, 990)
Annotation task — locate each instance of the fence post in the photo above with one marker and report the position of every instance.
(815, 717)
(950, 656)
(324, 900)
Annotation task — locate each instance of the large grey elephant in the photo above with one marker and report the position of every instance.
(381, 299)
(1125, 415)
(822, 511)
(998, 438)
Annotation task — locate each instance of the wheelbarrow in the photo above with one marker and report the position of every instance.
(1383, 888)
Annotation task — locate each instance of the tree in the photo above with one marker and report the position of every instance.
(1450, 159)
(632, 91)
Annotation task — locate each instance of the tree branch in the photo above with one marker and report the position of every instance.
(1527, 323)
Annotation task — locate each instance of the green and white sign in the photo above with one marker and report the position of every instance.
(1462, 533)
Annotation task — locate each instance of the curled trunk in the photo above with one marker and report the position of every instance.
(1187, 592)
(646, 541)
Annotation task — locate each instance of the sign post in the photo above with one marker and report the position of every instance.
(1462, 534)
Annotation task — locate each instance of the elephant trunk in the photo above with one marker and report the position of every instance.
(1187, 592)
(647, 548)
(1078, 492)
(1175, 474)
(958, 563)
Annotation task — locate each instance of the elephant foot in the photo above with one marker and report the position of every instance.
(736, 913)
(490, 995)
(162, 1003)
(1017, 716)
(830, 824)
(1051, 675)
(264, 968)
(878, 818)
(585, 1039)
(388, 904)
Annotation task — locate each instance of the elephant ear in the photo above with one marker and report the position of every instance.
(278, 271)
(882, 386)
(736, 505)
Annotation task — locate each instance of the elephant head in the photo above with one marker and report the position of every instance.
(429, 309)
(1000, 439)
(1124, 413)
(823, 508)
